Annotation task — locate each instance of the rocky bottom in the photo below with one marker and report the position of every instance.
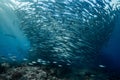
(52, 73)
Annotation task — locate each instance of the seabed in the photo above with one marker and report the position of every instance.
(53, 72)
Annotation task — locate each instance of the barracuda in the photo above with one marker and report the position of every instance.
(67, 30)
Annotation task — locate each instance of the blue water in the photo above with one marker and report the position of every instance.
(66, 32)
(112, 49)
(12, 40)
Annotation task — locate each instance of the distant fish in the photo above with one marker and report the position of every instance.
(54, 62)
(2, 57)
(30, 64)
(25, 59)
(39, 60)
(102, 66)
(59, 65)
(68, 64)
(13, 59)
(44, 63)
(9, 35)
(9, 54)
(33, 62)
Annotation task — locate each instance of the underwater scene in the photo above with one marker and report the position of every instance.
(59, 39)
